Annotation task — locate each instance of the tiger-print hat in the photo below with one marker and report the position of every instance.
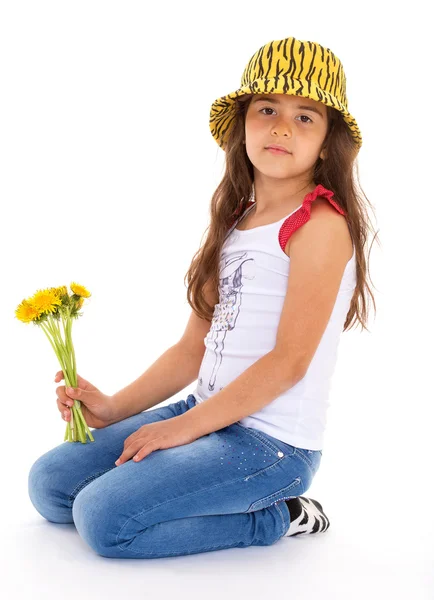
(293, 67)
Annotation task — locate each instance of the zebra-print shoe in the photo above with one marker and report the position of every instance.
(306, 516)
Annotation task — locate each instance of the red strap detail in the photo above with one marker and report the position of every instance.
(302, 215)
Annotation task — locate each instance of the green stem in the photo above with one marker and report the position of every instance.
(64, 350)
(57, 351)
(79, 431)
(50, 328)
(67, 350)
(72, 379)
(70, 345)
(85, 426)
(80, 426)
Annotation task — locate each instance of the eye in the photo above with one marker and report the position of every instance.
(305, 116)
(265, 108)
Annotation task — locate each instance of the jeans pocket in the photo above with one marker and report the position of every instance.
(295, 488)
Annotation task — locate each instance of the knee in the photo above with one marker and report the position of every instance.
(45, 489)
(97, 521)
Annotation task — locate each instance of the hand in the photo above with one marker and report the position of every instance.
(156, 436)
(97, 408)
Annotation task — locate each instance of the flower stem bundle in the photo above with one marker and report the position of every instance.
(53, 310)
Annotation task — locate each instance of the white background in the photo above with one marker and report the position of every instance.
(107, 172)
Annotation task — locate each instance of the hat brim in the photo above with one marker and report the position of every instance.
(222, 110)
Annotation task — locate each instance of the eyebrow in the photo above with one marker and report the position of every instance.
(300, 106)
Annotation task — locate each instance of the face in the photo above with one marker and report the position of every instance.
(278, 119)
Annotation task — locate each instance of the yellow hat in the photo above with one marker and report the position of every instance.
(293, 67)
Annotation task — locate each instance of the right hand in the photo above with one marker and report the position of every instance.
(97, 408)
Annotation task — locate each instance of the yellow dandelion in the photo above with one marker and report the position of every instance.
(46, 301)
(79, 290)
(61, 290)
(26, 312)
(53, 309)
(62, 294)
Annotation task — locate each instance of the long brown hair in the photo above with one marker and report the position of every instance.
(337, 172)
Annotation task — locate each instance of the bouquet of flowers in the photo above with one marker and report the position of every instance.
(51, 309)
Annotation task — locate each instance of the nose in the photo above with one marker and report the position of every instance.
(281, 128)
(282, 132)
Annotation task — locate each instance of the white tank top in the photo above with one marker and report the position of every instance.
(253, 281)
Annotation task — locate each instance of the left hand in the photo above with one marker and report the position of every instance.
(156, 436)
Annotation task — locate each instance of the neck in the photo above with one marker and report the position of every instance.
(272, 197)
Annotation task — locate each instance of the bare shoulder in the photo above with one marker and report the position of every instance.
(326, 219)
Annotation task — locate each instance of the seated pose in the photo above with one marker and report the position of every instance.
(278, 278)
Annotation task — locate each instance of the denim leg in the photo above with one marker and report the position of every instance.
(223, 490)
(57, 476)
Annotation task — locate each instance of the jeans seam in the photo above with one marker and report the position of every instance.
(284, 529)
(256, 435)
(248, 477)
(83, 484)
(203, 549)
(206, 489)
(297, 481)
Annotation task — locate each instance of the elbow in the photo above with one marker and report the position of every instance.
(292, 370)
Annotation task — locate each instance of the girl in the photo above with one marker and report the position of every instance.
(279, 277)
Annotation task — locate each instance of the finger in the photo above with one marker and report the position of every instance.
(65, 414)
(129, 452)
(75, 393)
(58, 376)
(63, 397)
(61, 405)
(129, 440)
(141, 453)
(68, 397)
(64, 404)
(146, 449)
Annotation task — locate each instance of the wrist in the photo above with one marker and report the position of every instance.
(191, 422)
(115, 409)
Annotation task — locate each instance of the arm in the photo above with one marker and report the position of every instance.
(256, 387)
(170, 373)
(319, 254)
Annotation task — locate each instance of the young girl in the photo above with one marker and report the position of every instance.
(279, 277)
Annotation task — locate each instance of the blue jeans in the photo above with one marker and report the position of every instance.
(224, 490)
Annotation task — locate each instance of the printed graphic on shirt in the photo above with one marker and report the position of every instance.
(232, 272)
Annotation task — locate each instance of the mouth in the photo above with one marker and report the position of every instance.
(276, 150)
